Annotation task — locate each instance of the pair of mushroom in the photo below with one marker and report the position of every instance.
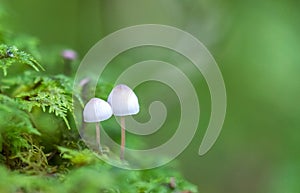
(121, 102)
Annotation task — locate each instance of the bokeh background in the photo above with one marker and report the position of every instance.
(256, 44)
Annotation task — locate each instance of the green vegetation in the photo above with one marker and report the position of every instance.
(254, 42)
(40, 149)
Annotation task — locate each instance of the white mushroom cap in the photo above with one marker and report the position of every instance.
(123, 101)
(96, 110)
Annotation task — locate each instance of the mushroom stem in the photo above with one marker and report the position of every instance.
(98, 136)
(122, 138)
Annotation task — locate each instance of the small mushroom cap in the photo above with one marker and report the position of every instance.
(96, 110)
(123, 101)
(69, 54)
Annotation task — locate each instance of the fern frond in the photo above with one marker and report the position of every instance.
(51, 93)
(10, 55)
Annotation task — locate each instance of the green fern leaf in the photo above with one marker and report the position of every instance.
(51, 93)
(10, 55)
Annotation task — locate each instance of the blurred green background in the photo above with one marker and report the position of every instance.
(256, 44)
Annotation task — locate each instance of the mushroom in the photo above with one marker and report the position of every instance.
(69, 56)
(97, 110)
(123, 102)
